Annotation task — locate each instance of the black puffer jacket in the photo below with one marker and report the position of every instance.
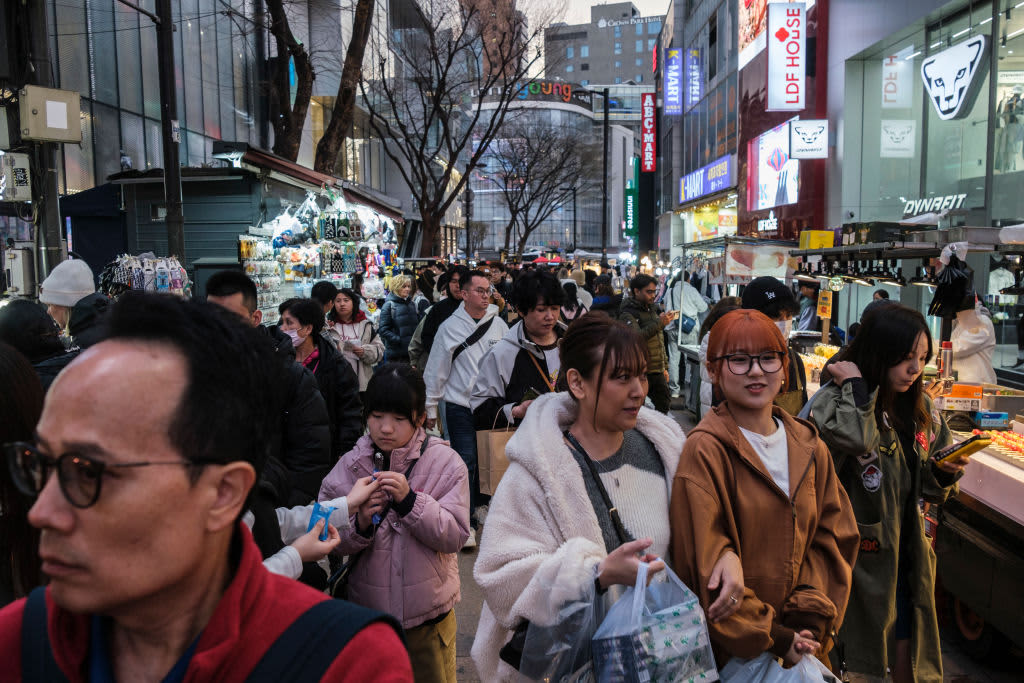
(305, 448)
(49, 369)
(84, 322)
(340, 389)
(398, 321)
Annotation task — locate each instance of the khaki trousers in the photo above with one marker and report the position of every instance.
(432, 651)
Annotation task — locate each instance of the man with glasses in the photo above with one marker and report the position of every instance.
(461, 343)
(143, 461)
(771, 297)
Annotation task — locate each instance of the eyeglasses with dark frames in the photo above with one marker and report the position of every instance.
(80, 477)
(770, 362)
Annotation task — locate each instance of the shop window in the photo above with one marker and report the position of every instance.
(584, 50)
(1008, 138)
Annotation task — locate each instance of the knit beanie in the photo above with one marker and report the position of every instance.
(66, 284)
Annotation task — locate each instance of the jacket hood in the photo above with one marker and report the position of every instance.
(549, 415)
(461, 312)
(397, 299)
(83, 324)
(516, 336)
(800, 435)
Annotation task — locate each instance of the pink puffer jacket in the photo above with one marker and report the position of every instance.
(410, 569)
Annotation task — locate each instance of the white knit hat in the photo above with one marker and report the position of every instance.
(66, 284)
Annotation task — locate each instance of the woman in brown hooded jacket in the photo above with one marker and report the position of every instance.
(754, 480)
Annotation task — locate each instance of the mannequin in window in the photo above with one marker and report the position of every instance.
(974, 342)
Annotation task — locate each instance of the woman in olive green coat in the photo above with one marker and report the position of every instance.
(881, 428)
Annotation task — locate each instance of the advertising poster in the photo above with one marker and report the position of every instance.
(752, 23)
(776, 177)
(744, 262)
(673, 86)
(787, 56)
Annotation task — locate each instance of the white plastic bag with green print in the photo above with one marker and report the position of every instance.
(654, 633)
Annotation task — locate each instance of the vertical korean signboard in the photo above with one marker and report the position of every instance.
(787, 56)
(673, 86)
(694, 78)
(648, 146)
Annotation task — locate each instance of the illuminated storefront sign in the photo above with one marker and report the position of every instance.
(953, 77)
(787, 56)
(648, 149)
(673, 87)
(715, 177)
(694, 78)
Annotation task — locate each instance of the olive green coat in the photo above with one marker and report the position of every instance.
(869, 460)
(646, 320)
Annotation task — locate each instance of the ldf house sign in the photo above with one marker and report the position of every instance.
(954, 76)
(787, 56)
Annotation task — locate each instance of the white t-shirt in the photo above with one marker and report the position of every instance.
(774, 453)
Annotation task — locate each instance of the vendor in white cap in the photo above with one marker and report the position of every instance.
(70, 295)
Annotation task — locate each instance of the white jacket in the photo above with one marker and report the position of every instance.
(705, 378)
(972, 350)
(454, 384)
(683, 297)
(542, 543)
(294, 522)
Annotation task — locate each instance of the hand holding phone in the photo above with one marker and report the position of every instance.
(956, 455)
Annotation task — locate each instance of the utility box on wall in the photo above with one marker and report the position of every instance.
(15, 178)
(20, 272)
(50, 115)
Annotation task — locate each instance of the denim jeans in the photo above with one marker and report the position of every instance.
(674, 356)
(461, 433)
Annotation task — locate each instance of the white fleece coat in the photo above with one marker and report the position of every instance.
(541, 544)
(454, 383)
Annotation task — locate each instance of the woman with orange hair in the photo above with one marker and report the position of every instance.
(755, 481)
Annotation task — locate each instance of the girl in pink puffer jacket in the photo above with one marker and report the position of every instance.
(409, 566)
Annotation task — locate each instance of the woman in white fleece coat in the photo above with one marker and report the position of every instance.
(548, 539)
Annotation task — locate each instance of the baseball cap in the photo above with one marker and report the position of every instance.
(770, 296)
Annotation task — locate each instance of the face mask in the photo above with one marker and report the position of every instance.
(294, 335)
(785, 326)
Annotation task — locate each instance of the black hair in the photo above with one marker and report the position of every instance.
(21, 404)
(464, 280)
(588, 280)
(332, 315)
(641, 281)
(283, 306)
(729, 303)
(307, 312)
(27, 327)
(324, 292)
(597, 343)
(571, 295)
(230, 282)
(234, 375)
(536, 288)
(888, 334)
(779, 305)
(463, 273)
(396, 388)
(881, 293)
(603, 286)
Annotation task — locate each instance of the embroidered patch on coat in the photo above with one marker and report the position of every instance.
(869, 545)
(872, 478)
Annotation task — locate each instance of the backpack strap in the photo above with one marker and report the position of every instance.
(310, 645)
(477, 335)
(37, 662)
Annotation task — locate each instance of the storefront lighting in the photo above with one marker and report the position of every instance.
(960, 33)
(925, 277)
(909, 57)
(988, 19)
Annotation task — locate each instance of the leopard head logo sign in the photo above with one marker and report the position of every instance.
(952, 77)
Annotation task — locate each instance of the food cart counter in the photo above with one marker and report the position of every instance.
(979, 546)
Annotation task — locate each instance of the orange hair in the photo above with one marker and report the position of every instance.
(746, 331)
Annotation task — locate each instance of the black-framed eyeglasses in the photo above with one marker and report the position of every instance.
(741, 363)
(79, 477)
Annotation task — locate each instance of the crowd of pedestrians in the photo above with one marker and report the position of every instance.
(249, 472)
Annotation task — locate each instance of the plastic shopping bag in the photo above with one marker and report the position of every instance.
(561, 653)
(766, 669)
(654, 633)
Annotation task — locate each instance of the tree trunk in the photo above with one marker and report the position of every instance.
(289, 117)
(341, 116)
(430, 226)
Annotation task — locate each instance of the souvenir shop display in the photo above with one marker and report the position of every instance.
(260, 264)
(145, 273)
(325, 238)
